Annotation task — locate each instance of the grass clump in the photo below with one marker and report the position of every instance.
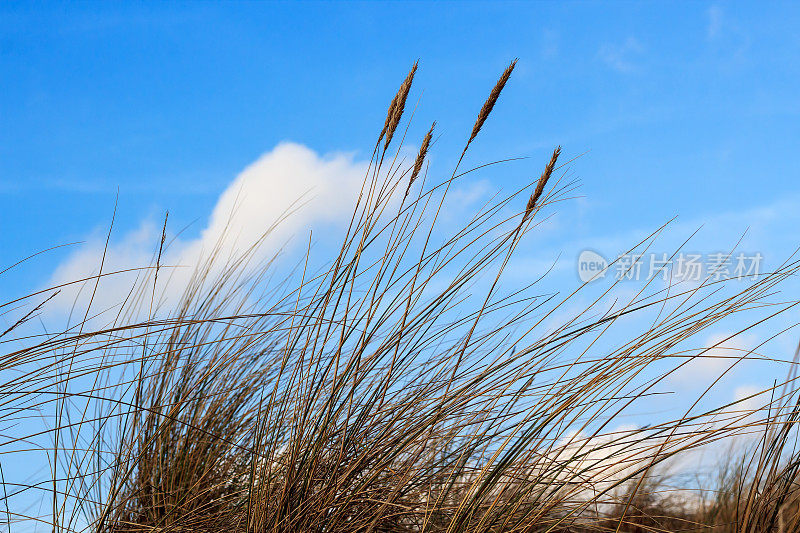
(395, 389)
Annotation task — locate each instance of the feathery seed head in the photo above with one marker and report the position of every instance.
(423, 151)
(489, 104)
(537, 193)
(396, 107)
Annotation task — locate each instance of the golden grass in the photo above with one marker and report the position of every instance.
(378, 394)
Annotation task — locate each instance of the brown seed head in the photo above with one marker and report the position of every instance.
(423, 150)
(489, 104)
(537, 193)
(396, 107)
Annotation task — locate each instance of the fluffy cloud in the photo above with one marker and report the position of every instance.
(290, 177)
(286, 190)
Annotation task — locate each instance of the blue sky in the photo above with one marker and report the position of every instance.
(683, 109)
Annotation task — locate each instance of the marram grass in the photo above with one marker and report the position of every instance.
(404, 387)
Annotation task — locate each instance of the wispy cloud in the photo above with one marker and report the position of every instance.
(550, 46)
(621, 57)
(714, 27)
(726, 36)
(719, 355)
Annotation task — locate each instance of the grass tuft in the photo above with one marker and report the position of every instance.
(387, 388)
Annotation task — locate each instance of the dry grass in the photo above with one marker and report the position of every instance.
(418, 162)
(486, 110)
(541, 184)
(380, 393)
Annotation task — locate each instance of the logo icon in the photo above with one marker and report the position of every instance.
(591, 266)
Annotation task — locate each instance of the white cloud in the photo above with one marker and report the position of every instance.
(289, 180)
(621, 57)
(289, 176)
(469, 195)
(714, 22)
(719, 353)
(727, 37)
(550, 40)
(751, 397)
(602, 459)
